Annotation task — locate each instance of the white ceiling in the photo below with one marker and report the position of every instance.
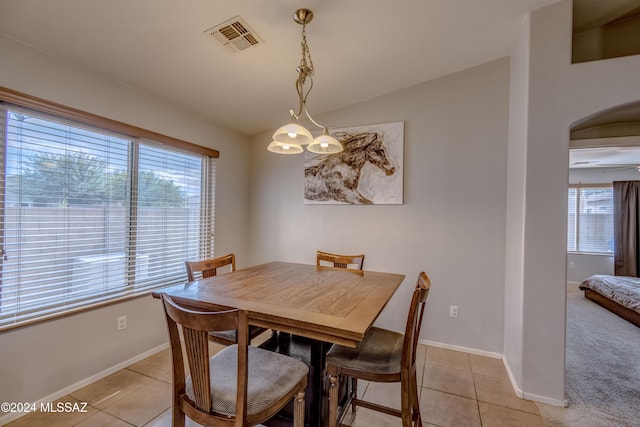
(361, 49)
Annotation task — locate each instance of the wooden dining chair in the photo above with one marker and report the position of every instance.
(208, 268)
(343, 261)
(383, 356)
(355, 262)
(238, 386)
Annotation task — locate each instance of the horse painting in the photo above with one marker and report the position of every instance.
(338, 177)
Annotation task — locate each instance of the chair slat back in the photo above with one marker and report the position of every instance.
(414, 320)
(196, 347)
(341, 261)
(195, 327)
(209, 267)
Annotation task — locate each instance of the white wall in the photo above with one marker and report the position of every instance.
(41, 360)
(516, 203)
(581, 266)
(451, 223)
(558, 94)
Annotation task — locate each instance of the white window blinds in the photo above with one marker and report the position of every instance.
(590, 219)
(89, 216)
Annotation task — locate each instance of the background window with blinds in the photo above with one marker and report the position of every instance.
(89, 217)
(590, 220)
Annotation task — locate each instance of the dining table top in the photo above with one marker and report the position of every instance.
(330, 304)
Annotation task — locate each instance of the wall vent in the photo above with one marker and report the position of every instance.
(234, 35)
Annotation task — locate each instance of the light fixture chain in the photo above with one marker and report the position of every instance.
(306, 54)
(305, 69)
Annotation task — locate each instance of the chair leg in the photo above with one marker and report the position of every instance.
(354, 393)
(298, 410)
(179, 418)
(415, 402)
(406, 400)
(406, 416)
(333, 400)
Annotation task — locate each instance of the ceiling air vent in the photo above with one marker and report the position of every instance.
(234, 35)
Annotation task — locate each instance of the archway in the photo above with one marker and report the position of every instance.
(608, 147)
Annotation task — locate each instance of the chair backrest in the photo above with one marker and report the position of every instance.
(196, 326)
(342, 261)
(414, 321)
(209, 267)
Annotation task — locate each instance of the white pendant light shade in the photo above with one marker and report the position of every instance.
(293, 133)
(283, 148)
(325, 144)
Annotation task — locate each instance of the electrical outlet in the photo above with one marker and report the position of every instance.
(122, 323)
(572, 264)
(453, 311)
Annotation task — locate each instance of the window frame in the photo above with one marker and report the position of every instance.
(107, 125)
(23, 100)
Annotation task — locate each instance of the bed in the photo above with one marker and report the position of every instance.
(618, 294)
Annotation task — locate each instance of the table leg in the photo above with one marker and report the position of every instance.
(313, 353)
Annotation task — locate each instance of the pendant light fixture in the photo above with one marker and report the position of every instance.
(290, 138)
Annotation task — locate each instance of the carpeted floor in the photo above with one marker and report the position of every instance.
(602, 368)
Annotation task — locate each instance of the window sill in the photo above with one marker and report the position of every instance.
(591, 253)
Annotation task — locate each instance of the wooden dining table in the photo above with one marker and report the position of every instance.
(311, 307)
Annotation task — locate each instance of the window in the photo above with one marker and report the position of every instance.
(91, 216)
(590, 222)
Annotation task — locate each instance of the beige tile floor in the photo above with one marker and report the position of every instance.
(456, 390)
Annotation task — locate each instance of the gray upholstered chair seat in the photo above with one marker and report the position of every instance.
(379, 352)
(226, 335)
(271, 376)
(231, 335)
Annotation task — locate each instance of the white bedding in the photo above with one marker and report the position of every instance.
(621, 289)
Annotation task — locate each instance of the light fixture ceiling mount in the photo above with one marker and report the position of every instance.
(290, 138)
(303, 16)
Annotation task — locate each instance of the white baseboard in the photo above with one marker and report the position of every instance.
(463, 349)
(544, 399)
(530, 396)
(514, 384)
(93, 378)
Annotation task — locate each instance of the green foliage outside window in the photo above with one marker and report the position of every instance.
(75, 179)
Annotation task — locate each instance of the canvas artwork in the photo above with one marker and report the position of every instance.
(368, 172)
